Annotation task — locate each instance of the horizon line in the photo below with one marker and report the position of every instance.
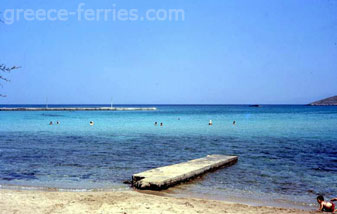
(184, 104)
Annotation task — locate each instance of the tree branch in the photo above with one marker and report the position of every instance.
(5, 69)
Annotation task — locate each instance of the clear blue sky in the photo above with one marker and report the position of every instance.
(225, 52)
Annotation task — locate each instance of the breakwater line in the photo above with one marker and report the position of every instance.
(81, 109)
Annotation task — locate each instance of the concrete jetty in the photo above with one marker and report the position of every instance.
(168, 176)
(79, 109)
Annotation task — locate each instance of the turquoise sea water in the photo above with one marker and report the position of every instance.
(287, 153)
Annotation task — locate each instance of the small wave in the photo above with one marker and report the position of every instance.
(326, 169)
(55, 189)
(52, 115)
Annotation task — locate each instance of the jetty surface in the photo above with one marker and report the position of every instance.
(80, 109)
(168, 176)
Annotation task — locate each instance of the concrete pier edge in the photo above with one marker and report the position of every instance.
(161, 179)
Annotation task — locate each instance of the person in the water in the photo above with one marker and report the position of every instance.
(234, 123)
(51, 123)
(161, 124)
(326, 206)
(210, 123)
(155, 123)
(92, 123)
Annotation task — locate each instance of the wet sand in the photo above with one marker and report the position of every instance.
(124, 202)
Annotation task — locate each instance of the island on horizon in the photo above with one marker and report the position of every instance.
(331, 101)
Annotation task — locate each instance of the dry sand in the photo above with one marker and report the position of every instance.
(36, 202)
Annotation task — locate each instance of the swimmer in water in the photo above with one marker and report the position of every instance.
(210, 123)
(57, 122)
(234, 122)
(92, 123)
(155, 123)
(161, 124)
(51, 123)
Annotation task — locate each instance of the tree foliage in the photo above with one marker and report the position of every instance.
(3, 71)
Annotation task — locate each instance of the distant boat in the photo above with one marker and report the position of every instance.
(255, 106)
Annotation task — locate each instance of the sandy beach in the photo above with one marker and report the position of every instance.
(124, 202)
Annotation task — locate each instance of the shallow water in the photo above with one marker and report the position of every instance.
(287, 153)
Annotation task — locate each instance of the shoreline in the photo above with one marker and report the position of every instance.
(174, 192)
(34, 201)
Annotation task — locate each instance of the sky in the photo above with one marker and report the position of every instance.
(223, 52)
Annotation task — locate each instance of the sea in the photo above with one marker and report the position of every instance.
(287, 153)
